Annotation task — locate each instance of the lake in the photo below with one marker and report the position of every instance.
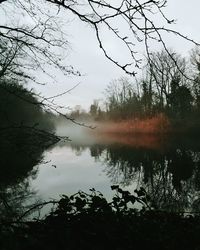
(167, 167)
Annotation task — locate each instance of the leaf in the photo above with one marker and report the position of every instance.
(116, 199)
(132, 199)
(114, 187)
(120, 190)
(82, 195)
(63, 203)
(140, 192)
(80, 203)
(71, 197)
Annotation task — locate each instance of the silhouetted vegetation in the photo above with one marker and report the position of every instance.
(20, 108)
(166, 97)
(25, 131)
(89, 221)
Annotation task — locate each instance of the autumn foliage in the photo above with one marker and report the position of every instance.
(156, 125)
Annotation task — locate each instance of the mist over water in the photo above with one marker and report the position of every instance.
(77, 133)
(167, 166)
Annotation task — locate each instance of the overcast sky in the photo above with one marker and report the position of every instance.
(86, 56)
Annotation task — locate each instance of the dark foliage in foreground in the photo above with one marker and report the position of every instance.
(88, 221)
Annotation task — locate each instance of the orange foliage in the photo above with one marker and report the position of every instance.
(146, 133)
(156, 125)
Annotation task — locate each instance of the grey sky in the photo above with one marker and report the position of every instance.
(86, 56)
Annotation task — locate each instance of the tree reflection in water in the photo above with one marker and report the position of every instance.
(171, 176)
(20, 153)
(25, 132)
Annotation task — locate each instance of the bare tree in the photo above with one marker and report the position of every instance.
(162, 71)
(195, 69)
(32, 44)
(141, 22)
(38, 40)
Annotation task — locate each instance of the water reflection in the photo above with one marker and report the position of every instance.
(170, 174)
(13, 200)
(20, 153)
(24, 135)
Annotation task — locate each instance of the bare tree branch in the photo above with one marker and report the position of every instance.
(34, 46)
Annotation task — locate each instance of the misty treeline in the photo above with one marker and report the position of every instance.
(170, 87)
(25, 131)
(20, 109)
(26, 128)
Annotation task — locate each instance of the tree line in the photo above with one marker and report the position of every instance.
(168, 87)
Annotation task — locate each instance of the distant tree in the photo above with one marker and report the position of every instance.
(166, 87)
(195, 61)
(147, 98)
(94, 108)
(162, 71)
(122, 101)
(101, 114)
(76, 112)
(180, 99)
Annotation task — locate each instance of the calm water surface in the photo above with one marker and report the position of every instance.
(168, 168)
(69, 169)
